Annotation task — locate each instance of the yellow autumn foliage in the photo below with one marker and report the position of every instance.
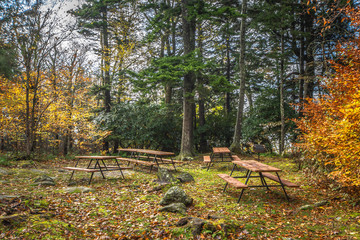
(331, 123)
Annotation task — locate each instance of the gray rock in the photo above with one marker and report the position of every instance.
(12, 219)
(44, 178)
(164, 175)
(174, 207)
(212, 216)
(321, 203)
(197, 225)
(176, 195)
(79, 190)
(182, 222)
(33, 170)
(306, 207)
(186, 177)
(3, 172)
(7, 196)
(44, 183)
(27, 165)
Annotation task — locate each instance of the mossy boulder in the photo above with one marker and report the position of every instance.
(174, 207)
(176, 195)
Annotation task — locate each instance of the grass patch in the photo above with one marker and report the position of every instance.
(129, 208)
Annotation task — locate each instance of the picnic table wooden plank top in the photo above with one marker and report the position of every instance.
(218, 150)
(129, 149)
(147, 151)
(96, 157)
(256, 166)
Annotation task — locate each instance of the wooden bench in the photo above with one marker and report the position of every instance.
(131, 160)
(81, 169)
(235, 158)
(136, 162)
(207, 159)
(232, 181)
(162, 159)
(276, 179)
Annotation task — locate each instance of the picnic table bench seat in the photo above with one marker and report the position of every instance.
(81, 169)
(232, 181)
(207, 159)
(235, 158)
(276, 179)
(161, 159)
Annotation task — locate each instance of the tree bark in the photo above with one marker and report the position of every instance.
(187, 145)
(282, 110)
(106, 68)
(236, 144)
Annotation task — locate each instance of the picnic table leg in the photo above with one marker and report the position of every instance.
(209, 165)
(263, 181)
(156, 161)
(234, 166)
(172, 162)
(72, 174)
(282, 185)
(104, 164)
(117, 163)
(211, 159)
(247, 179)
(226, 184)
(97, 163)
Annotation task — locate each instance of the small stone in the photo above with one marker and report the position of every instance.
(3, 172)
(197, 225)
(306, 207)
(7, 196)
(27, 165)
(182, 222)
(174, 207)
(12, 219)
(185, 178)
(44, 178)
(44, 183)
(321, 203)
(33, 170)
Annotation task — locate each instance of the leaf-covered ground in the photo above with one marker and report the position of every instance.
(128, 209)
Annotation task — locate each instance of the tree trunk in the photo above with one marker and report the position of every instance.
(228, 76)
(302, 70)
(187, 145)
(106, 68)
(310, 61)
(236, 145)
(282, 111)
(202, 142)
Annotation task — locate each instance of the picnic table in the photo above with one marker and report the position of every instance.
(261, 171)
(96, 164)
(219, 154)
(148, 157)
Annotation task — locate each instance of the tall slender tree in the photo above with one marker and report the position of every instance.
(236, 144)
(189, 28)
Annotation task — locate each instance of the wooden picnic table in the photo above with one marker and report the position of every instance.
(148, 157)
(261, 171)
(222, 153)
(96, 164)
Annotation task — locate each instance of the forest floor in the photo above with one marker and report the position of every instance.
(128, 208)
